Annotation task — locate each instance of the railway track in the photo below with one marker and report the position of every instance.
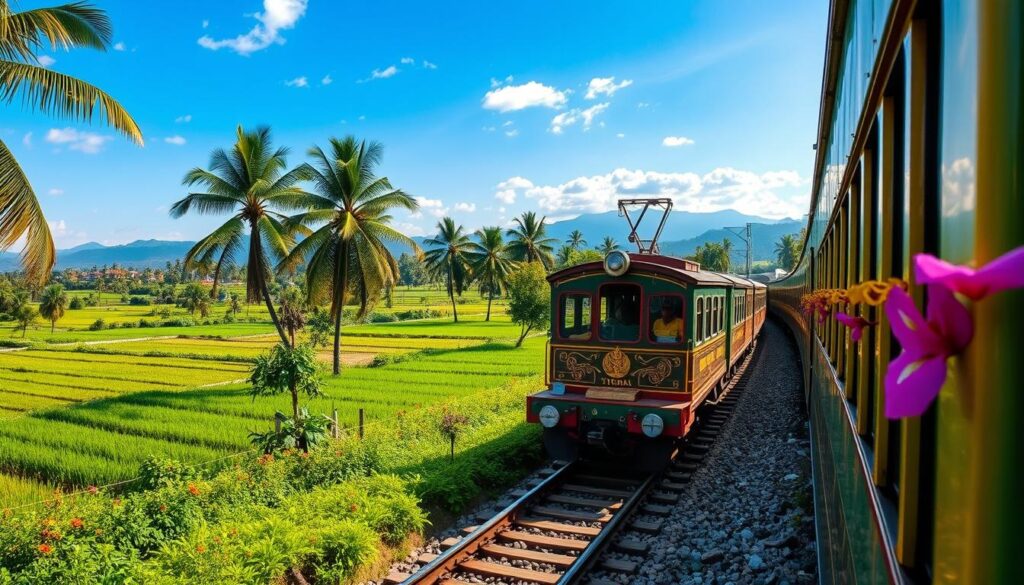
(579, 522)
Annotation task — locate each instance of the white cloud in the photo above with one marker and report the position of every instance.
(429, 65)
(206, 24)
(642, 105)
(119, 47)
(674, 141)
(326, 80)
(389, 71)
(512, 133)
(277, 15)
(27, 139)
(298, 82)
(407, 60)
(561, 121)
(620, 135)
(55, 192)
(45, 60)
(606, 86)
(434, 207)
(722, 188)
(500, 82)
(466, 207)
(409, 229)
(511, 98)
(183, 119)
(175, 140)
(58, 228)
(87, 142)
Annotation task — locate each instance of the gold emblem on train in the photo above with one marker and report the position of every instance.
(616, 363)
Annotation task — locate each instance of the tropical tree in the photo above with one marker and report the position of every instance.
(711, 256)
(24, 80)
(727, 254)
(575, 240)
(352, 207)
(563, 255)
(293, 313)
(608, 245)
(53, 303)
(448, 258)
(490, 264)
(192, 297)
(294, 370)
(529, 240)
(529, 299)
(250, 181)
(787, 251)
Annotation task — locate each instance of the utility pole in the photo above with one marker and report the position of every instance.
(744, 233)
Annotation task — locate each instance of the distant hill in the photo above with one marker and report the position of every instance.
(138, 254)
(762, 235)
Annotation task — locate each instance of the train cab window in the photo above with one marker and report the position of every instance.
(574, 322)
(665, 314)
(698, 330)
(620, 312)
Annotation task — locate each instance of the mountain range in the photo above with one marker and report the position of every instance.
(683, 232)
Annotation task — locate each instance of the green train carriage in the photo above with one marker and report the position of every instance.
(619, 382)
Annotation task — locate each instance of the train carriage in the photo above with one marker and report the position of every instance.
(638, 342)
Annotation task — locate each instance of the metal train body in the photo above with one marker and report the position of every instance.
(614, 386)
(920, 149)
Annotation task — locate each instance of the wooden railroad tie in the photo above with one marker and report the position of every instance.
(544, 541)
(573, 514)
(499, 550)
(496, 570)
(561, 527)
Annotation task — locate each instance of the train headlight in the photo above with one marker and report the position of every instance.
(616, 263)
(548, 416)
(652, 425)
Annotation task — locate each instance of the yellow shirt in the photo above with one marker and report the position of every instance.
(673, 328)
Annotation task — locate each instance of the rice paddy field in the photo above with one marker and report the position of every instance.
(83, 408)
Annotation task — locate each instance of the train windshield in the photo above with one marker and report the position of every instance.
(620, 312)
(666, 318)
(574, 322)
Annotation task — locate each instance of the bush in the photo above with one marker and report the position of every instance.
(76, 303)
(179, 322)
(376, 317)
(140, 301)
(98, 325)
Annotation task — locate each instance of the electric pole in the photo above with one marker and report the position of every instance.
(744, 233)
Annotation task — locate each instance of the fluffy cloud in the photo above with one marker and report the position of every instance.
(277, 16)
(466, 207)
(722, 188)
(429, 65)
(560, 121)
(175, 140)
(298, 82)
(183, 119)
(119, 47)
(326, 80)
(606, 86)
(407, 60)
(511, 98)
(674, 141)
(87, 142)
(55, 192)
(389, 71)
(46, 60)
(434, 207)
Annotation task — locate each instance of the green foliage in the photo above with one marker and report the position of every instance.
(286, 369)
(608, 245)
(53, 303)
(319, 327)
(450, 425)
(787, 250)
(577, 257)
(304, 433)
(447, 259)
(529, 241)
(76, 303)
(529, 302)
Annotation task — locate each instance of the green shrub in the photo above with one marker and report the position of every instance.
(98, 325)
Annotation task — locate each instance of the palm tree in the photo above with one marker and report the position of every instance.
(24, 80)
(576, 240)
(564, 254)
(787, 250)
(448, 258)
(726, 254)
(347, 251)
(250, 181)
(489, 261)
(53, 303)
(530, 242)
(608, 245)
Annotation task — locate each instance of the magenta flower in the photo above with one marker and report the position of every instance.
(1003, 273)
(914, 378)
(857, 324)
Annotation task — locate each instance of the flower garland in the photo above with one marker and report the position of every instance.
(914, 379)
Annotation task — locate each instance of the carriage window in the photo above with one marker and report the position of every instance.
(666, 318)
(707, 318)
(715, 310)
(698, 330)
(620, 312)
(575, 318)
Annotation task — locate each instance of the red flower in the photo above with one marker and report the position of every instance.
(192, 489)
(304, 454)
(163, 507)
(265, 459)
(77, 523)
(93, 490)
(45, 549)
(200, 549)
(352, 507)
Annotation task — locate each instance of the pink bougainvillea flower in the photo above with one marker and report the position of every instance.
(914, 378)
(1003, 273)
(857, 324)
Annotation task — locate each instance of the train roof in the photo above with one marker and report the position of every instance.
(678, 268)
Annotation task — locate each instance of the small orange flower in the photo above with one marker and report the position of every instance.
(352, 507)
(77, 523)
(45, 548)
(163, 507)
(93, 490)
(304, 454)
(265, 459)
(200, 549)
(192, 489)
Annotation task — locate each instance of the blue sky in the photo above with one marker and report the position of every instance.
(485, 109)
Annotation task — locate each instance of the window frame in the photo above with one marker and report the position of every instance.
(698, 324)
(559, 313)
(682, 315)
(641, 323)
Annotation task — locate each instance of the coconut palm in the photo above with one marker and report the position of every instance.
(575, 240)
(787, 250)
(529, 241)
(727, 254)
(25, 81)
(53, 303)
(489, 261)
(347, 252)
(448, 258)
(250, 181)
(608, 245)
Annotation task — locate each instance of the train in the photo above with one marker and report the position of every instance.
(919, 150)
(639, 342)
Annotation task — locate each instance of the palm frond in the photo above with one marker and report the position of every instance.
(67, 26)
(21, 215)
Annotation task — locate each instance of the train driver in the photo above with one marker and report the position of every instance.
(668, 328)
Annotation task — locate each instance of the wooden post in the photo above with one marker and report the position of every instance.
(334, 424)
(360, 424)
(277, 422)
